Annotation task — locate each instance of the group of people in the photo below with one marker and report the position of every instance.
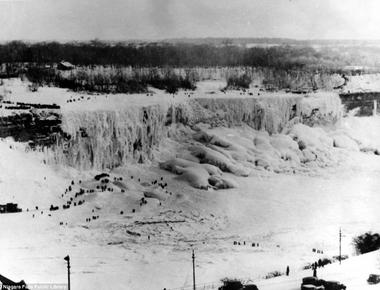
(236, 243)
(317, 251)
(77, 194)
(77, 100)
(160, 183)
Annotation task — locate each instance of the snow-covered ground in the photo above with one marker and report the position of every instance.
(287, 214)
(353, 271)
(363, 83)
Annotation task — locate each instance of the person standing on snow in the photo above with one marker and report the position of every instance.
(315, 270)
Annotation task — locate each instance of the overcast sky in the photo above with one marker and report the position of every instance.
(157, 19)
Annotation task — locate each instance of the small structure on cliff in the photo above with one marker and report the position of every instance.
(65, 65)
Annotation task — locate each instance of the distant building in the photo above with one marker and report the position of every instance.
(9, 207)
(65, 65)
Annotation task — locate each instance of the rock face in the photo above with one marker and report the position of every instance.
(39, 128)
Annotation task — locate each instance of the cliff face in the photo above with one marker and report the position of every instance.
(110, 138)
(38, 128)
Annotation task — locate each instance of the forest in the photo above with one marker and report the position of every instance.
(159, 54)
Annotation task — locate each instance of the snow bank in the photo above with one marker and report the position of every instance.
(363, 83)
(25, 178)
(365, 131)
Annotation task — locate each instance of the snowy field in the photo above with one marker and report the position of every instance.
(148, 246)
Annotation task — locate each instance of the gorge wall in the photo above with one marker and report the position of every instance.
(38, 127)
(112, 131)
(107, 139)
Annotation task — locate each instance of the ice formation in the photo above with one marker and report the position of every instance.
(198, 175)
(107, 139)
(112, 137)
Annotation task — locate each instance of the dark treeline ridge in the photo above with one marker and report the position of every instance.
(175, 54)
(111, 80)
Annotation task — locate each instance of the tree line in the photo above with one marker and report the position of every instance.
(171, 54)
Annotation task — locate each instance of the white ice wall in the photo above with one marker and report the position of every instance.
(109, 138)
(273, 113)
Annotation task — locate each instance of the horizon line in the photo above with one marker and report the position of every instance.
(179, 39)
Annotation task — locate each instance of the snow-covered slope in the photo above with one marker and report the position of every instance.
(26, 179)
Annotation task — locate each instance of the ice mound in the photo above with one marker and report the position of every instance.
(198, 175)
(154, 193)
(176, 165)
(222, 183)
(343, 141)
(241, 150)
(287, 147)
(127, 193)
(209, 151)
(313, 137)
(222, 161)
(247, 150)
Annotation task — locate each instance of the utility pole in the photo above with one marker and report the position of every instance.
(374, 107)
(67, 259)
(340, 246)
(193, 256)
